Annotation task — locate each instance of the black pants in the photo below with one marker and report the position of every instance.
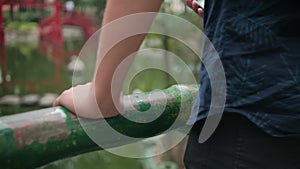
(239, 144)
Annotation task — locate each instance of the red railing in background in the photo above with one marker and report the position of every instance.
(50, 29)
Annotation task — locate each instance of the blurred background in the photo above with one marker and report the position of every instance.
(39, 43)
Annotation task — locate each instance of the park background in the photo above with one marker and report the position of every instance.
(37, 63)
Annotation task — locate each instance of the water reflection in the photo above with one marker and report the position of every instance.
(35, 66)
(32, 68)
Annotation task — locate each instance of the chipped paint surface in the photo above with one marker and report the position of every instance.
(59, 111)
(32, 139)
(41, 128)
(3, 125)
(143, 106)
(143, 102)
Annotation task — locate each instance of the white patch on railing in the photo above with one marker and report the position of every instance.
(59, 111)
(3, 125)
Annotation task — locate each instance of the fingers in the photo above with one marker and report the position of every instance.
(65, 99)
(189, 3)
(200, 12)
(194, 5)
(86, 104)
(57, 101)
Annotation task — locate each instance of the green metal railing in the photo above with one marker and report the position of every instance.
(32, 139)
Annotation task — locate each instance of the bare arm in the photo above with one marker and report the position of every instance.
(101, 83)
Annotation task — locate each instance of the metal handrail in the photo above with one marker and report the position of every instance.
(32, 139)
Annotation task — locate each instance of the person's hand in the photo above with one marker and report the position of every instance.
(193, 4)
(81, 100)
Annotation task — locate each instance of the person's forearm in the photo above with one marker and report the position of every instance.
(116, 9)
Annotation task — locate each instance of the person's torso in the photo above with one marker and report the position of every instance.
(259, 45)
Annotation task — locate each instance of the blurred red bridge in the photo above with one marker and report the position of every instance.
(50, 28)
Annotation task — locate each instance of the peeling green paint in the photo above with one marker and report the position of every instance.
(33, 139)
(143, 106)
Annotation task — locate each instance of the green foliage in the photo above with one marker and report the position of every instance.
(21, 26)
(26, 15)
(87, 5)
(172, 45)
(151, 79)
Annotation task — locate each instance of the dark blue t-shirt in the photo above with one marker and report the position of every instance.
(258, 42)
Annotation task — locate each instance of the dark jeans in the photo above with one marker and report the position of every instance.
(237, 143)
